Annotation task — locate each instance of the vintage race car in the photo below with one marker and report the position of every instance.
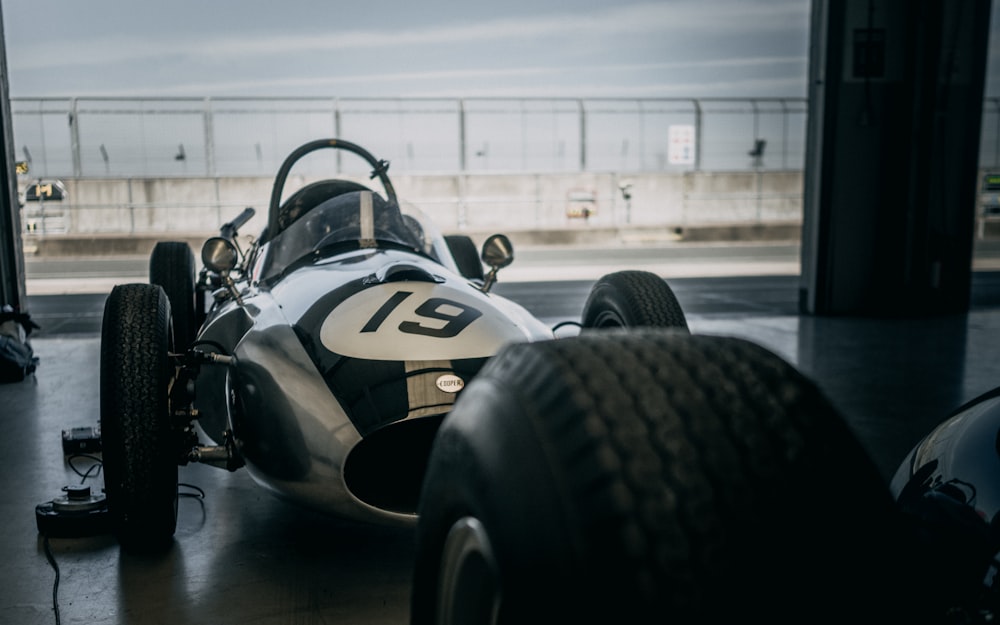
(355, 360)
(322, 358)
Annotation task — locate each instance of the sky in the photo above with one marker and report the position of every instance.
(396, 48)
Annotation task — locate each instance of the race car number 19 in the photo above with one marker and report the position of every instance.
(456, 315)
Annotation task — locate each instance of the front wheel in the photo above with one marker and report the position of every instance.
(139, 444)
(649, 476)
(171, 266)
(628, 299)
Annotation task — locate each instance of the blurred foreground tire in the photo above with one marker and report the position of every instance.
(650, 476)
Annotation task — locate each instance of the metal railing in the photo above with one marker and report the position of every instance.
(166, 137)
(134, 140)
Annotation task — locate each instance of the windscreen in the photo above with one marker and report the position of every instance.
(359, 219)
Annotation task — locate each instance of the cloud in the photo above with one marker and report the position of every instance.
(602, 79)
(663, 17)
(645, 48)
(613, 23)
(792, 87)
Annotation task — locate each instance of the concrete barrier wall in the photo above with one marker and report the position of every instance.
(456, 202)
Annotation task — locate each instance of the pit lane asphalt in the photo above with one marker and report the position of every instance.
(66, 295)
(550, 301)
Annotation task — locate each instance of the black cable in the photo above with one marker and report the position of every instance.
(92, 471)
(200, 494)
(55, 585)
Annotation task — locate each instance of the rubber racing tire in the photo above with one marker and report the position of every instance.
(650, 476)
(466, 256)
(139, 445)
(171, 266)
(629, 299)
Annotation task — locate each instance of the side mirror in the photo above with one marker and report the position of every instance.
(219, 255)
(498, 252)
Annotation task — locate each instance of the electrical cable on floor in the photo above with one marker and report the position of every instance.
(93, 471)
(55, 585)
(200, 494)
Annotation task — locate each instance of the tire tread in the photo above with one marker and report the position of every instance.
(140, 473)
(703, 430)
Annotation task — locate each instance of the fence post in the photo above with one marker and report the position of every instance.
(461, 136)
(697, 134)
(642, 134)
(74, 138)
(337, 132)
(209, 138)
(784, 134)
(131, 208)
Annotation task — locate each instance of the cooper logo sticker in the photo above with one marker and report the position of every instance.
(450, 383)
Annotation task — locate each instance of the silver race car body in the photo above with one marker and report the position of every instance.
(344, 364)
(351, 333)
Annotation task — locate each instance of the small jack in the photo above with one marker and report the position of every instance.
(75, 514)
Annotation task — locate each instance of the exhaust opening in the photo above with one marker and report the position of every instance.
(386, 469)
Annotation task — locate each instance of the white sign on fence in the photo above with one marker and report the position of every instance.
(681, 144)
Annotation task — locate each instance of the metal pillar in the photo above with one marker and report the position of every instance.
(895, 108)
(12, 291)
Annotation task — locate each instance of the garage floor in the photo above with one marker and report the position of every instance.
(242, 556)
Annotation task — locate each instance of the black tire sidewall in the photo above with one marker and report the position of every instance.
(606, 306)
(524, 452)
(475, 475)
(632, 299)
(171, 266)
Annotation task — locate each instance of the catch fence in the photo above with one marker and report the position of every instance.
(185, 137)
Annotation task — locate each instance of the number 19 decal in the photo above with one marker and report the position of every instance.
(456, 315)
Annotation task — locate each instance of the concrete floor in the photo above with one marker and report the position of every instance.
(242, 556)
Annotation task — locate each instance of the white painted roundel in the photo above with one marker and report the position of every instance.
(417, 321)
